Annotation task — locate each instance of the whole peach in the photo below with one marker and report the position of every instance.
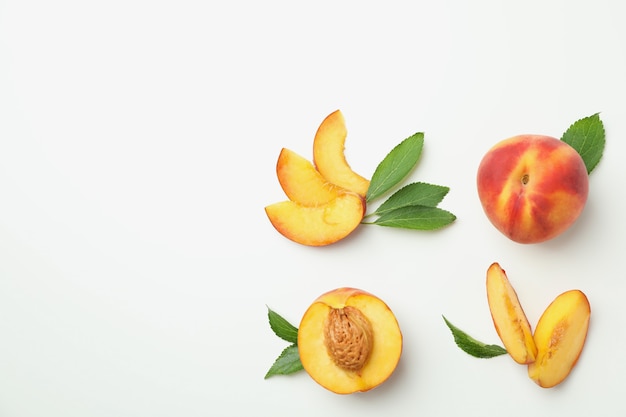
(532, 187)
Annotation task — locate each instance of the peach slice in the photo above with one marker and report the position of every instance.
(301, 182)
(560, 336)
(317, 225)
(329, 157)
(349, 341)
(509, 317)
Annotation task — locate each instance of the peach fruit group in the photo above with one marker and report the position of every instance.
(326, 201)
(532, 187)
(557, 342)
(349, 341)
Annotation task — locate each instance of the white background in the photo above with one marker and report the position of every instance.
(138, 142)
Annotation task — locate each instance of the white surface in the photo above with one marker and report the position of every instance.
(138, 142)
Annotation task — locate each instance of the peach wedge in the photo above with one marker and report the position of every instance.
(560, 336)
(301, 182)
(349, 341)
(329, 157)
(508, 316)
(317, 225)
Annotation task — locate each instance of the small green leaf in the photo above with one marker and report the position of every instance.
(416, 217)
(287, 363)
(282, 327)
(587, 137)
(415, 194)
(396, 165)
(472, 346)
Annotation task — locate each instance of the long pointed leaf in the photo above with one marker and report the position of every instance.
(282, 327)
(416, 217)
(472, 346)
(415, 194)
(587, 137)
(287, 363)
(396, 165)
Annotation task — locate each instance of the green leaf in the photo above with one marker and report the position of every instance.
(287, 363)
(587, 137)
(282, 327)
(472, 346)
(416, 217)
(415, 194)
(396, 165)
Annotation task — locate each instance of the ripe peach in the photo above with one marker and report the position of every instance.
(329, 157)
(508, 316)
(349, 341)
(560, 336)
(301, 182)
(532, 187)
(317, 225)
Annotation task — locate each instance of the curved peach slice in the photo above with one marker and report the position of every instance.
(329, 157)
(317, 225)
(509, 317)
(560, 336)
(301, 182)
(349, 341)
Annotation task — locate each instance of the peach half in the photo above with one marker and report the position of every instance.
(329, 157)
(508, 316)
(560, 336)
(349, 341)
(301, 182)
(317, 225)
(532, 187)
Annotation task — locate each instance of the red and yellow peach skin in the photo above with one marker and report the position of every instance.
(532, 187)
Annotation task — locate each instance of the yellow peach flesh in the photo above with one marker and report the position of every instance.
(319, 225)
(301, 182)
(329, 155)
(508, 316)
(560, 336)
(386, 346)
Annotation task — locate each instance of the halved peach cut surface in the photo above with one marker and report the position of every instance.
(349, 341)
